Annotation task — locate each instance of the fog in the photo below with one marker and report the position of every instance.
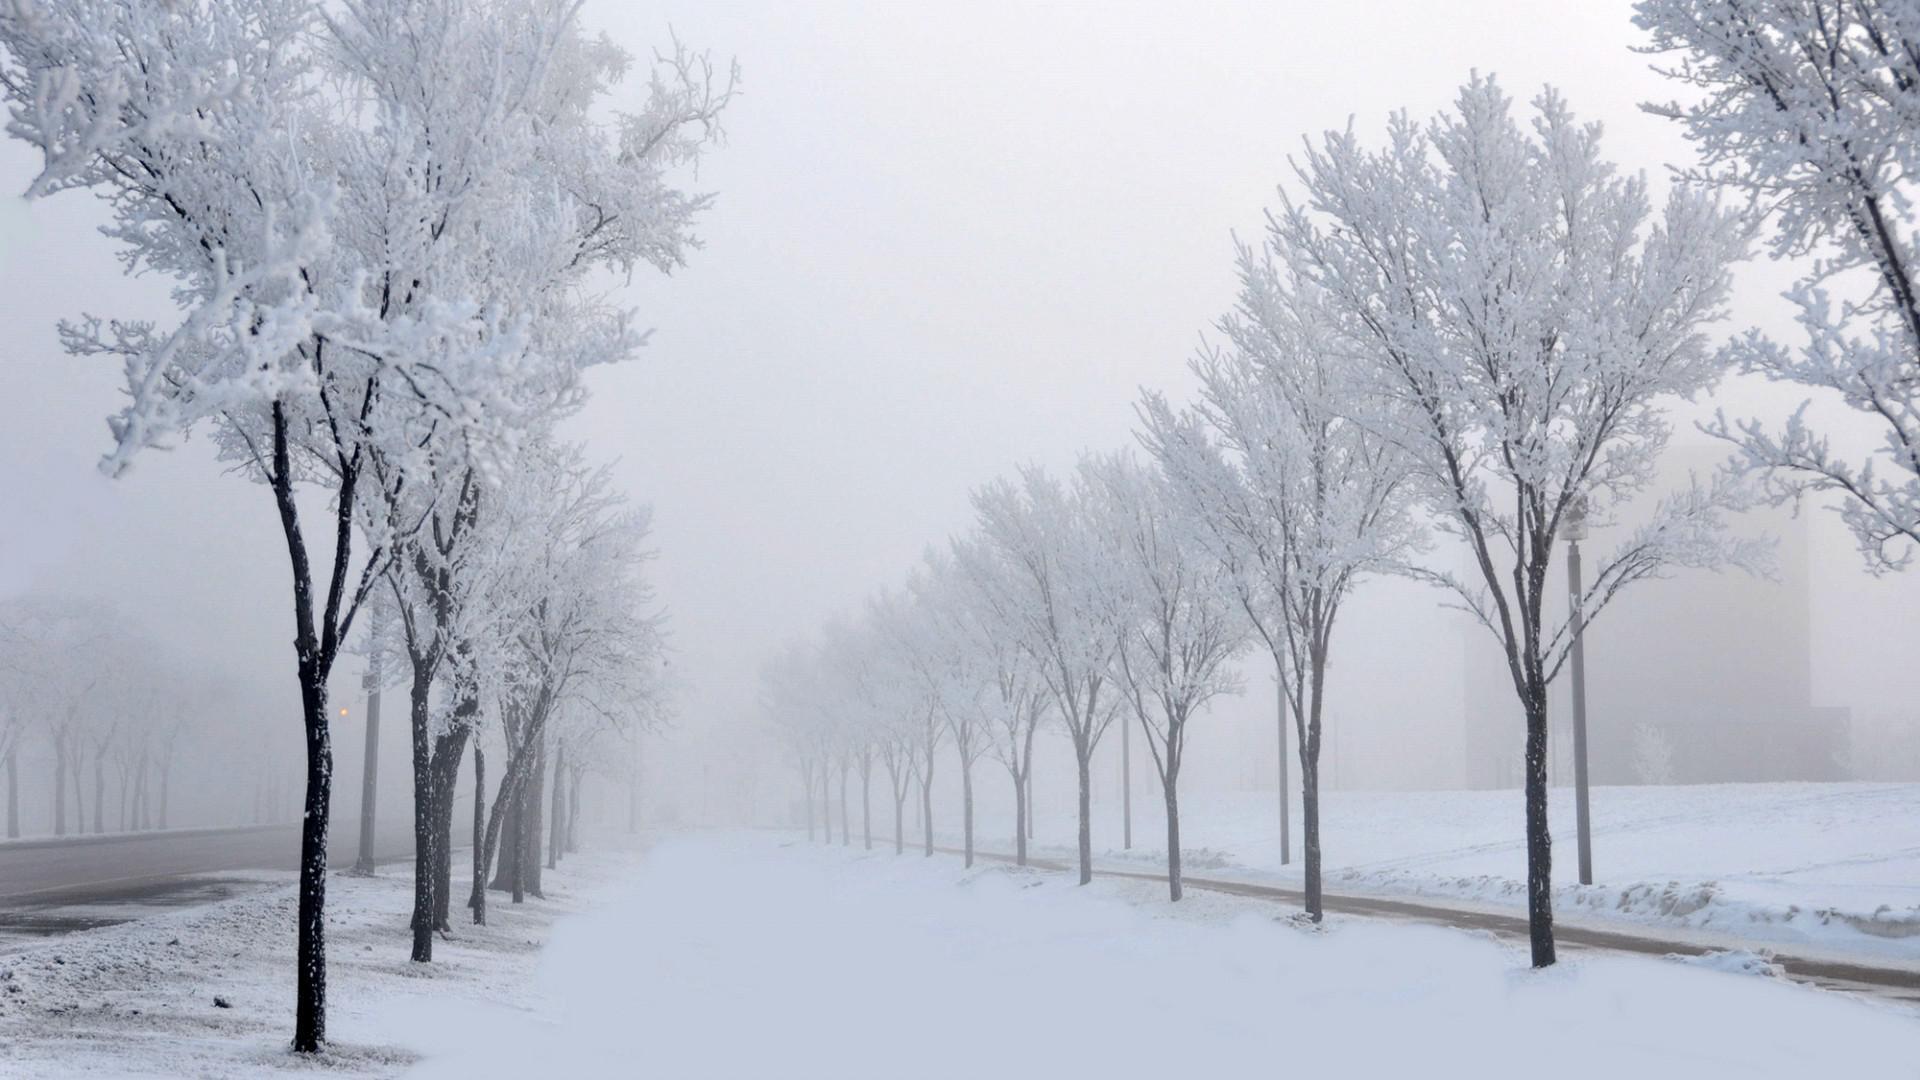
(947, 242)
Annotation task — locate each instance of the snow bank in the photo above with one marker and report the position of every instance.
(1833, 868)
(139, 999)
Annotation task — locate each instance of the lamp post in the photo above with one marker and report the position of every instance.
(1576, 531)
(369, 775)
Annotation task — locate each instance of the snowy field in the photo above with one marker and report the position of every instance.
(139, 999)
(749, 956)
(1833, 868)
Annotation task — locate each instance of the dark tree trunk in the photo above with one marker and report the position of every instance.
(1539, 840)
(1310, 783)
(1029, 796)
(533, 819)
(477, 899)
(310, 1014)
(1081, 752)
(447, 751)
(424, 835)
(507, 871)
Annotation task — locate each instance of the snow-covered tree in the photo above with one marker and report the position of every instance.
(1812, 108)
(1297, 500)
(373, 214)
(1174, 612)
(1652, 754)
(1017, 699)
(1521, 315)
(1053, 594)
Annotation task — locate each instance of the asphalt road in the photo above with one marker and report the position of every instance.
(1890, 982)
(132, 867)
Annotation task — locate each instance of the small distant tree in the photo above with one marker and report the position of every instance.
(1175, 615)
(1652, 755)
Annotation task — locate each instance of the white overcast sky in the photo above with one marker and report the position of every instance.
(949, 238)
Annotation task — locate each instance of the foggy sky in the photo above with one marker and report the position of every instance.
(949, 238)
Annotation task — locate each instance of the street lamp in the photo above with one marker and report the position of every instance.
(1575, 530)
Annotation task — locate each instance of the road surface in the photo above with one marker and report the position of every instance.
(54, 885)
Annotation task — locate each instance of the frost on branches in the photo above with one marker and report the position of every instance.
(1812, 110)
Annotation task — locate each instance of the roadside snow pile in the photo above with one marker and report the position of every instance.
(1833, 867)
(732, 957)
(1734, 962)
(208, 991)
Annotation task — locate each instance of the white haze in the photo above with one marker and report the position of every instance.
(949, 239)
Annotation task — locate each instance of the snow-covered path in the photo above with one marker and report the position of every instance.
(748, 957)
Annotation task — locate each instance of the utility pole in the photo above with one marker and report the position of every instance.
(1576, 531)
(370, 759)
(1126, 787)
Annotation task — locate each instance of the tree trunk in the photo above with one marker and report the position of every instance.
(573, 811)
(966, 804)
(926, 811)
(1310, 783)
(846, 824)
(1126, 786)
(477, 899)
(866, 805)
(534, 819)
(1173, 833)
(555, 834)
(507, 871)
(1029, 795)
(1020, 812)
(1081, 752)
(310, 1013)
(1539, 841)
(899, 818)
(448, 750)
(424, 834)
(166, 779)
(826, 805)
(806, 778)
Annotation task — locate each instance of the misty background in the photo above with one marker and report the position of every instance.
(947, 242)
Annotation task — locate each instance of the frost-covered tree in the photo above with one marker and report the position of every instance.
(1053, 594)
(1017, 700)
(1521, 314)
(1174, 613)
(1812, 108)
(372, 213)
(1297, 500)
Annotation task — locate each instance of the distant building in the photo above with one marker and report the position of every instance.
(1708, 674)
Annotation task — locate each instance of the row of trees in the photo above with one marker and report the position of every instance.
(386, 223)
(1472, 328)
(96, 694)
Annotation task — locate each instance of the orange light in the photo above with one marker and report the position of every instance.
(343, 710)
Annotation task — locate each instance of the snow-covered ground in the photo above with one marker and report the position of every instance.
(748, 957)
(138, 999)
(1830, 867)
